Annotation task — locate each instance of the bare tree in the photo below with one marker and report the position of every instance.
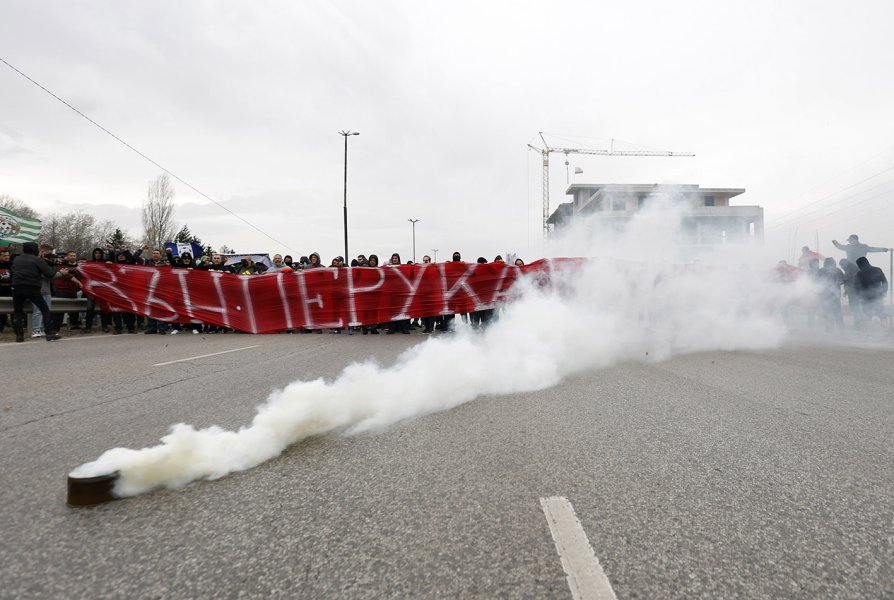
(17, 206)
(76, 231)
(158, 212)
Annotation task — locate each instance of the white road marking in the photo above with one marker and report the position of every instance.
(585, 576)
(171, 362)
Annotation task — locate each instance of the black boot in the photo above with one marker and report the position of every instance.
(18, 328)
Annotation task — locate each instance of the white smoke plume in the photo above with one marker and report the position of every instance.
(638, 299)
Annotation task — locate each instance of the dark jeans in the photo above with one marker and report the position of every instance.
(121, 320)
(74, 318)
(23, 293)
(155, 325)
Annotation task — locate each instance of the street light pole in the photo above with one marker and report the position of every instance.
(414, 221)
(346, 134)
(435, 252)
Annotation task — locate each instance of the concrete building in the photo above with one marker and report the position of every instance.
(708, 218)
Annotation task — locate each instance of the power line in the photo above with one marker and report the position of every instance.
(850, 206)
(168, 171)
(806, 214)
(797, 213)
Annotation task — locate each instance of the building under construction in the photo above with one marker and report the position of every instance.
(708, 219)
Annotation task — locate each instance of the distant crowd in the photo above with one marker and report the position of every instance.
(854, 278)
(65, 282)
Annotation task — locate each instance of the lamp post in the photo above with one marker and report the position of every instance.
(413, 222)
(346, 134)
(435, 252)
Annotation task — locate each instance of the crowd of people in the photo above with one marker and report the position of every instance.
(854, 278)
(39, 274)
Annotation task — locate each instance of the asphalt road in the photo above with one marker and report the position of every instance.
(719, 475)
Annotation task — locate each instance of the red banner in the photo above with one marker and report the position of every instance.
(321, 298)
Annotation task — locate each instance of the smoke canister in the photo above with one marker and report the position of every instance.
(89, 491)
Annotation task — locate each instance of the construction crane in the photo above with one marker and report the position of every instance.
(547, 149)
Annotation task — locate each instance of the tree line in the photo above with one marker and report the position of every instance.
(81, 231)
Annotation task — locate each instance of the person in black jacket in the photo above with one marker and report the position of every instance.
(217, 264)
(28, 271)
(872, 286)
(5, 281)
(403, 325)
(122, 319)
(105, 318)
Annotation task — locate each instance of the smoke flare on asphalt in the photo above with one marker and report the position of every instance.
(637, 301)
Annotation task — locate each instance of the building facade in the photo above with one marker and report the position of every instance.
(708, 219)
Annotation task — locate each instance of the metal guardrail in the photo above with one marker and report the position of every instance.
(56, 305)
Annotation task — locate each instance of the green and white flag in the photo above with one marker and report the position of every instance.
(16, 228)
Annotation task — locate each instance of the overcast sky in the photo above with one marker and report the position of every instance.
(790, 100)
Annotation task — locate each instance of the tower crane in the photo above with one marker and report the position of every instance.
(547, 149)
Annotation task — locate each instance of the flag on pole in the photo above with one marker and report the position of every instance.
(16, 228)
(179, 248)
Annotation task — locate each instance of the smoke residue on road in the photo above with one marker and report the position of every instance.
(636, 301)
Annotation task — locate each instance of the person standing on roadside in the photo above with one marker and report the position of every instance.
(403, 325)
(29, 270)
(5, 282)
(105, 317)
(45, 251)
(831, 278)
(278, 265)
(67, 287)
(872, 286)
(154, 326)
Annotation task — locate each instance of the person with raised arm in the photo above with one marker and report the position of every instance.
(856, 249)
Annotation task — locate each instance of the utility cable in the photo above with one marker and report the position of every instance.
(827, 209)
(169, 172)
(799, 213)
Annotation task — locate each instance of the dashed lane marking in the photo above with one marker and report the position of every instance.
(171, 362)
(585, 576)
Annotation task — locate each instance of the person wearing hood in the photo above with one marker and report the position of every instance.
(29, 271)
(872, 286)
(314, 261)
(186, 261)
(856, 249)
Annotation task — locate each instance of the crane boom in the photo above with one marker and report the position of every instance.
(547, 150)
